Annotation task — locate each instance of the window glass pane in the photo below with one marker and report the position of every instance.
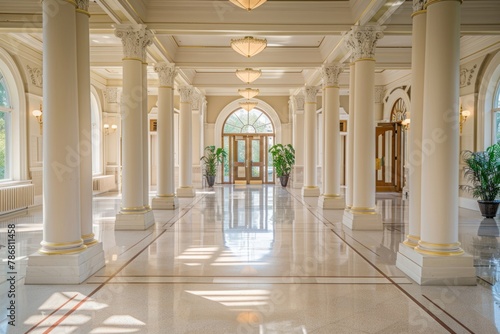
(226, 161)
(241, 151)
(4, 94)
(4, 145)
(497, 126)
(242, 121)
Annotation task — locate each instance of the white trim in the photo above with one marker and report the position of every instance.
(393, 97)
(489, 82)
(19, 154)
(93, 92)
(235, 105)
(468, 203)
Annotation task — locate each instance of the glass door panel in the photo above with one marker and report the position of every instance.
(239, 160)
(256, 162)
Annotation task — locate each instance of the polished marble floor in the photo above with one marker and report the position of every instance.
(253, 259)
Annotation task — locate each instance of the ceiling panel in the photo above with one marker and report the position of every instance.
(225, 41)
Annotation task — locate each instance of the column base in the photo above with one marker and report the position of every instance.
(141, 220)
(331, 203)
(436, 270)
(64, 269)
(165, 203)
(310, 191)
(371, 221)
(186, 192)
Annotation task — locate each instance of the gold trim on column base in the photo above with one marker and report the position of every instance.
(334, 86)
(62, 251)
(72, 2)
(311, 187)
(363, 210)
(61, 244)
(89, 239)
(133, 210)
(431, 2)
(429, 248)
(147, 207)
(411, 240)
(332, 195)
(165, 195)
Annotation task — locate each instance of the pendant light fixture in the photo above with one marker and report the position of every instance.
(248, 93)
(248, 4)
(248, 75)
(248, 105)
(248, 46)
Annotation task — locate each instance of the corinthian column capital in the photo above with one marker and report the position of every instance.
(418, 5)
(166, 74)
(135, 38)
(362, 40)
(186, 93)
(331, 74)
(82, 5)
(310, 93)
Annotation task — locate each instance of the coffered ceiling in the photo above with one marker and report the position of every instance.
(195, 35)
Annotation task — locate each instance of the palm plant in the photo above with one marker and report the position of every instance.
(211, 160)
(482, 172)
(283, 160)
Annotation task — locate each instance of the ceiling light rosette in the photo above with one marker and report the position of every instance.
(248, 4)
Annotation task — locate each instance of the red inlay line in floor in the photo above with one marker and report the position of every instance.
(456, 320)
(57, 309)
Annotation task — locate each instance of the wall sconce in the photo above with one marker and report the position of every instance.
(109, 129)
(463, 117)
(39, 116)
(406, 124)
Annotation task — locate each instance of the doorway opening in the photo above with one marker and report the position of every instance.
(247, 137)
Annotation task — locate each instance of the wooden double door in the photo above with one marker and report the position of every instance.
(389, 157)
(249, 160)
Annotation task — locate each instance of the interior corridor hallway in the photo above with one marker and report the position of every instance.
(252, 259)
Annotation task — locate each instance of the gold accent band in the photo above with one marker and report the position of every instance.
(434, 245)
(91, 242)
(61, 244)
(132, 208)
(431, 2)
(73, 2)
(62, 251)
(310, 187)
(410, 236)
(132, 58)
(439, 253)
(81, 11)
(410, 244)
(165, 195)
(365, 59)
(418, 12)
(88, 236)
(144, 63)
(332, 195)
(334, 86)
(361, 208)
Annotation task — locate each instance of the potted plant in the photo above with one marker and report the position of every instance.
(211, 160)
(283, 161)
(482, 171)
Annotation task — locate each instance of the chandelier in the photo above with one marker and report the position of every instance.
(248, 75)
(248, 4)
(248, 93)
(248, 46)
(248, 105)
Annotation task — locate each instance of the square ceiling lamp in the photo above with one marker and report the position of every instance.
(248, 46)
(248, 105)
(248, 93)
(248, 75)
(248, 4)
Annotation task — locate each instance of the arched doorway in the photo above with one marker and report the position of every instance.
(390, 150)
(247, 137)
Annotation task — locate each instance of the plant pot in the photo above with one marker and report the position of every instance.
(284, 180)
(488, 208)
(210, 180)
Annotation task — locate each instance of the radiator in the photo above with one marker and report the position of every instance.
(16, 197)
(103, 183)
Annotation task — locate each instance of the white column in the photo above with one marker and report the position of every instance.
(145, 134)
(165, 198)
(417, 111)
(63, 257)
(298, 102)
(350, 139)
(310, 188)
(438, 258)
(197, 153)
(185, 144)
(133, 214)
(85, 133)
(363, 214)
(331, 198)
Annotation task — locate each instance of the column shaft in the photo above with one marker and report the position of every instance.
(145, 136)
(61, 168)
(350, 138)
(310, 188)
(83, 69)
(185, 145)
(417, 110)
(440, 133)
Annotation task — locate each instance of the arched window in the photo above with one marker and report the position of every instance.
(496, 114)
(5, 130)
(398, 113)
(96, 135)
(254, 121)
